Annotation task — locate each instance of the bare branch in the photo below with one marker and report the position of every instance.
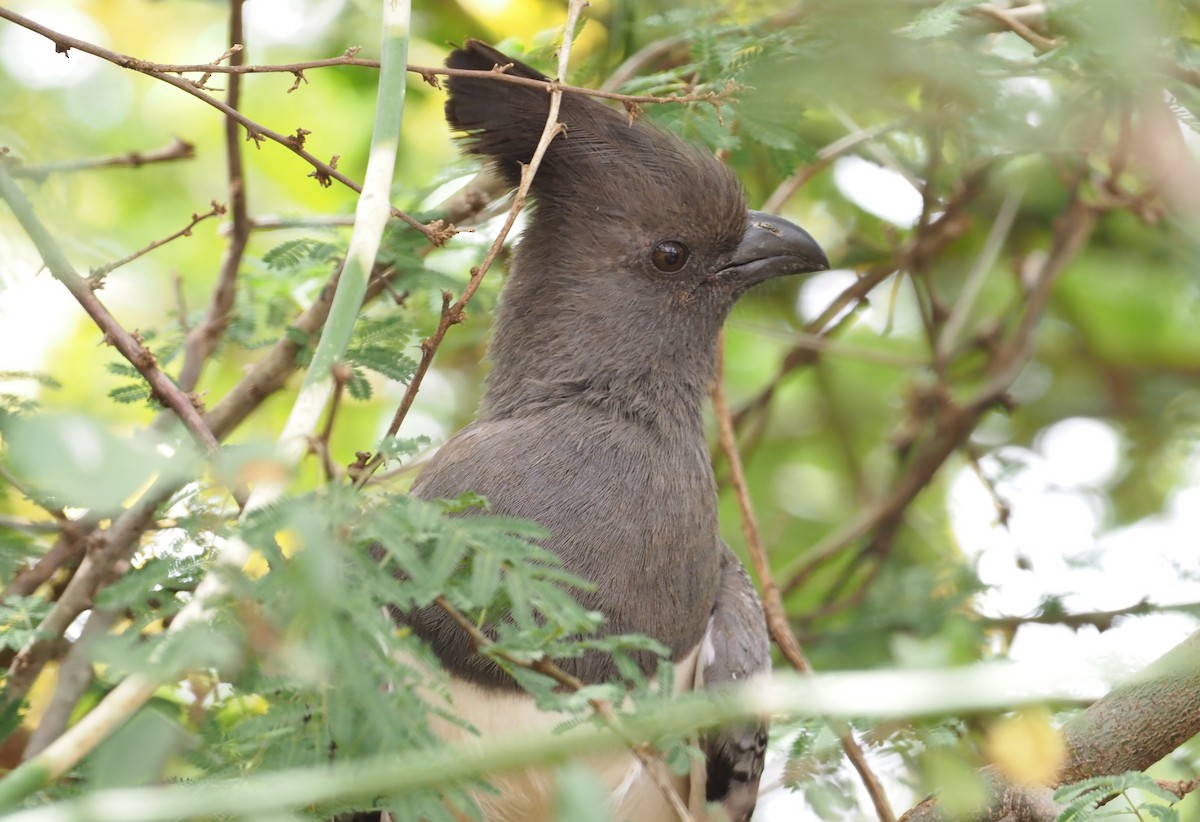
(773, 607)
(177, 150)
(96, 275)
(323, 172)
(130, 346)
(202, 341)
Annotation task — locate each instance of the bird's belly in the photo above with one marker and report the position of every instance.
(527, 795)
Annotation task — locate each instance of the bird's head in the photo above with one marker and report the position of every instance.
(639, 244)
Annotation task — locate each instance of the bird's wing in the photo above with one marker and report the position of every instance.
(735, 648)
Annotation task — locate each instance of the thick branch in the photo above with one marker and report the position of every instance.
(1134, 726)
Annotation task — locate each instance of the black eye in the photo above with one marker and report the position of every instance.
(669, 256)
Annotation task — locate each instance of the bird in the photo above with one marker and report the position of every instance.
(591, 424)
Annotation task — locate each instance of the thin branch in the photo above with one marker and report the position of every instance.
(96, 275)
(69, 545)
(546, 667)
(319, 444)
(29, 525)
(773, 608)
(1012, 22)
(73, 680)
(323, 172)
(177, 150)
(454, 313)
(824, 158)
(1101, 620)
(60, 516)
(956, 421)
(646, 56)
(886, 694)
(202, 341)
(129, 345)
(947, 341)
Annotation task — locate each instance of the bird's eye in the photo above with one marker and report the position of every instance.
(669, 256)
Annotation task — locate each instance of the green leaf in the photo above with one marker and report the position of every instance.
(937, 21)
(126, 394)
(579, 795)
(77, 461)
(294, 253)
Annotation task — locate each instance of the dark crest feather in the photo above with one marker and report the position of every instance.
(504, 121)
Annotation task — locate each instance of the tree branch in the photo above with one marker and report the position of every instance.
(773, 608)
(96, 275)
(202, 340)
(177, 150)
(323, 172)
(130, 346)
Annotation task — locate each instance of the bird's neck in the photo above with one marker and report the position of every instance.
(655, 373)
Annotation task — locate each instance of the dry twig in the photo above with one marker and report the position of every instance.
(773, 608)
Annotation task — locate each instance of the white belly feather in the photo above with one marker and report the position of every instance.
(528, 795)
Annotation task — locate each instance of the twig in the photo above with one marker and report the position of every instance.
(60, 516)
(32, 526)
(128, 344)
(177, 150)
(1101, 620)
(68, 546)
(824, 158)
(96, 275)
(773, 608)
(319, 444)
(73, 680)
(948, 340)
(202, 341)
(454, 313)
(828, 346)
(1013, 23)
(638, 61)
(956, 421)
(546, 667)
(1002, 506)
(323, 172)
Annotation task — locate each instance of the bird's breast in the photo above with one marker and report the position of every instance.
(631, 509)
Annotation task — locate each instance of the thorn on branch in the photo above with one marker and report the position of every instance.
(297, 140)
(228, 53)
(439, 231)
(322, 175)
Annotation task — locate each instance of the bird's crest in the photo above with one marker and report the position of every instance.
(602, 159)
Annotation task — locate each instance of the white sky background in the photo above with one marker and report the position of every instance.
(1054, 544)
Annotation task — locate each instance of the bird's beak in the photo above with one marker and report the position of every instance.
(773, 247)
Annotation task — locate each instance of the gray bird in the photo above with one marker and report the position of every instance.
(602, 354)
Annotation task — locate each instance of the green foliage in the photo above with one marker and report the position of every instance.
(19, 620)
(1096, 798)
(376, 346)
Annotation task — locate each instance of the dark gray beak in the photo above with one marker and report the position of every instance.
(773, 247)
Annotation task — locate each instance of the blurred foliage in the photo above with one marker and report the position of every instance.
(937, 93)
